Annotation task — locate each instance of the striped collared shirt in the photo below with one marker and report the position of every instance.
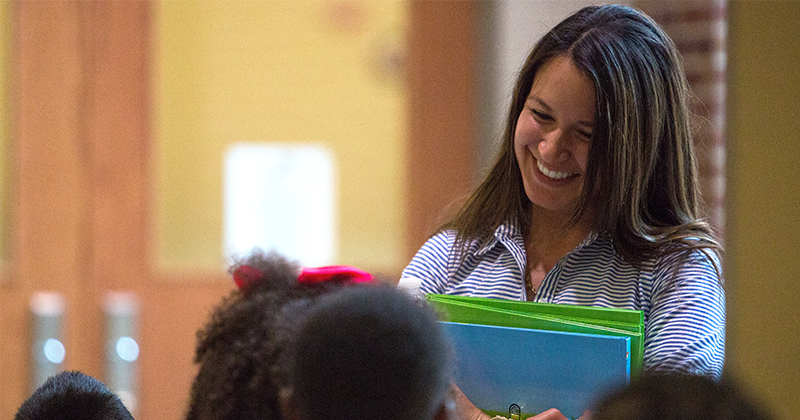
(682, 299)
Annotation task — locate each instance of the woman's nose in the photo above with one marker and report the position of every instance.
(553, 146)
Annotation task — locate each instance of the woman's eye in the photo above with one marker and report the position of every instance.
(540, 115)
(585, 135)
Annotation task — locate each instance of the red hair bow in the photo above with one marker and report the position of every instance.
(244, 276)
(335, 273)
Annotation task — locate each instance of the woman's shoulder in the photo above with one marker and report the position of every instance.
(436, 249)
(689, 253)
(450, 236)
(448, 243)
(443, 239)
(695, 266)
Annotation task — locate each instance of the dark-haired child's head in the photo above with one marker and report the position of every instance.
(369, 352)
(679, 397)
(241, 350)
(73, 396)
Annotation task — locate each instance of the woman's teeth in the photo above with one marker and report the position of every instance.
(552, 174)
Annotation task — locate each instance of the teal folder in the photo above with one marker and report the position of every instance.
(537, 355)
(498, 367)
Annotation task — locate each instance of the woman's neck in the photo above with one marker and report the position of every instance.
(548, 240)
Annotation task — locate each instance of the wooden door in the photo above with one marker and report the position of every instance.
(81, 199)
(82, 185)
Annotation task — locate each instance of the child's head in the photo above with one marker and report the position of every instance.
(240, 350)
(73, 396)
(679, 397)
(369, 352)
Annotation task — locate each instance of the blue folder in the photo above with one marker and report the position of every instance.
(546, 316)
(497, 367)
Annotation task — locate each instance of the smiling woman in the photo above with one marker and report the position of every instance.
(593, 198)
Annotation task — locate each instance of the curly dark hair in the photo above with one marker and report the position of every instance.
(240, 351)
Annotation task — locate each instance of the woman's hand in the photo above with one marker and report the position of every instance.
(553, 414)
(464, 408)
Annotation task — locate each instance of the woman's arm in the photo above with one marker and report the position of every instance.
(685, 329)
(427, 271)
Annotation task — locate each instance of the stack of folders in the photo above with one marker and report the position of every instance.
(516, 358)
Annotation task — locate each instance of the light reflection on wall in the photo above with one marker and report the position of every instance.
(281, 197)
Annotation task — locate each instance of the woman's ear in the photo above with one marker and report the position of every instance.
(288, 405)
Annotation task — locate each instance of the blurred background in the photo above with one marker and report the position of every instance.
(145, 143)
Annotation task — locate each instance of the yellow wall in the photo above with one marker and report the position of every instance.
(5, 132)
(763, 233)
(278, 71)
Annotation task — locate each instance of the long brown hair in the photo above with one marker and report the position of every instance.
(641, 158)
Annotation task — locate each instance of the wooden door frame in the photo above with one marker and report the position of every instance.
(443, 112)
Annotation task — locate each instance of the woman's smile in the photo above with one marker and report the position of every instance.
(553, 174)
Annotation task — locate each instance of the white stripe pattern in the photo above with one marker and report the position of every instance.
(682, 300)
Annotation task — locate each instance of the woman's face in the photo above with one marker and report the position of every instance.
(553, 134)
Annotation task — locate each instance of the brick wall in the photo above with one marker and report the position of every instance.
(699, 30)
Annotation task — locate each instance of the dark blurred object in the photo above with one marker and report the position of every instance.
(680, 397)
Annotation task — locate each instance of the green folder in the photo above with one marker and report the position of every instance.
(548, 317)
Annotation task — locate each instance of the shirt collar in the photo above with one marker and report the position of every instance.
(591, 237)
(510, 231)
(506, 231)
